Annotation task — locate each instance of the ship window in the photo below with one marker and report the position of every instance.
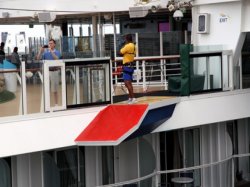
(180, 149)
(64, 168)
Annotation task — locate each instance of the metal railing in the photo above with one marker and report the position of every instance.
(150, 71)
(219, 173)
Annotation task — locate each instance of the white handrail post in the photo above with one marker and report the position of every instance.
(164, 74)
(77, 85)
(23, 88)
(161, 53)
(143, 76)
(231, 84)
(137, 53)
(42, 93)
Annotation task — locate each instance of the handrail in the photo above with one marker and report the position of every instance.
(150, 58)
(142, 62)
(18, 70)
(155, 173)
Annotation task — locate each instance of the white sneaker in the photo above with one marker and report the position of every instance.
(129, 100)
(133, 100)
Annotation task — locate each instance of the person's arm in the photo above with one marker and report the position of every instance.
(123, 50)
(38, 57)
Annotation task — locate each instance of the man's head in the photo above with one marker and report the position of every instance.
(2, 44)
(52, 43)
(128, 38)
(15, 49)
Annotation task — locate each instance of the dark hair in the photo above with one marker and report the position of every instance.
(2, 44)
(128, 37)
(52, 40)
(15, 49)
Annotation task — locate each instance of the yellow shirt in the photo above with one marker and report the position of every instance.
(128, 52)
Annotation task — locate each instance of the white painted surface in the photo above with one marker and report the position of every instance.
(228, 20)
(209, 108)
(223, 32)
(199, 2)
(39, 132)
(78, 6)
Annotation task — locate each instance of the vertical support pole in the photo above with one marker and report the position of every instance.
(114, 25)
(231, 84)
(77, 85)
(42, 92)
(23, 89)
(161, 53)
(240, 70)
(100, 36)
(144, 76)
(165, 75)
(186, 36)
(94, 25)
(137, 53)
(208, 73)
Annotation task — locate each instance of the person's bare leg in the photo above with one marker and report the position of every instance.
(129, 86)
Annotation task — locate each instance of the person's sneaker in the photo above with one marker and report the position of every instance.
(129, 100)
(133, 100)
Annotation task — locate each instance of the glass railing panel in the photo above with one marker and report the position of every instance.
(92, 84)
(207, 48)
(71, 85)
(34, 87)
(10, 93)
(205, 73)
(198, 74)
(88, 83)
(148, 44)
(171, 42)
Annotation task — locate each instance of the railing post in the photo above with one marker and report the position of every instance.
(144, 76)
(23, 89)
(42, 92)
(164, 74)
(137, 54)
(231, 84)
(77, 85)
(161, 53)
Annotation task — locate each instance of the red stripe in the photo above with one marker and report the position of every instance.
(112, 123)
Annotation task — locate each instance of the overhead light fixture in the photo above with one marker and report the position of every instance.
(155, 8)
(178, 15)
(46, 17)
(107, 16)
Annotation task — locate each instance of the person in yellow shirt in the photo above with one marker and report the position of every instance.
(128, 53)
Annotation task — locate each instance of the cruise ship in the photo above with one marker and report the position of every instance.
(189, 126)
